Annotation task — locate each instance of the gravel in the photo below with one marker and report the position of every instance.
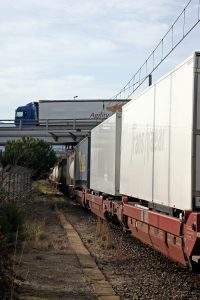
(135, 270)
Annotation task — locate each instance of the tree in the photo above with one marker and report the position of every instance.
(30, 153)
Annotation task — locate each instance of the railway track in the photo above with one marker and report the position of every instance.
(135, 270)
(132, 269)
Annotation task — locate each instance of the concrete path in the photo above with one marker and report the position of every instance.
(101, 287)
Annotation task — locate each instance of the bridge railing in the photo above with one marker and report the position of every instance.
(46, 124)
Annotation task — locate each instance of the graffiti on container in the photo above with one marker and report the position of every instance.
(147, 141)
(82, 162)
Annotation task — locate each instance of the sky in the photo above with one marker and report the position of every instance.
(87, 48)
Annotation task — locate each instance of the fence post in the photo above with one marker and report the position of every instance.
(13, 186)
(8, 185)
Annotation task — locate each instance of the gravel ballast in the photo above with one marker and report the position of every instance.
(135, 270)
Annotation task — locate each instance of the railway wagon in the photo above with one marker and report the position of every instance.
(70, 170)
(159, 172)
(160, 152)
(63, 173)
(54, 175)
(145, 166)
(82, 169)
(101, 153)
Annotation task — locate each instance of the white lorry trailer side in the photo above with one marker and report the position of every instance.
(78, 109)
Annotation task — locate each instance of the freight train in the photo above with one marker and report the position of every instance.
(141, 168)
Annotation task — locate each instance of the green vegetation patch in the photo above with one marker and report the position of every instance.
(31, 153)
(12, 224)
(43, 187)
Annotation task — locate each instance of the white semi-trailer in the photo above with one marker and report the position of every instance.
(39, 112)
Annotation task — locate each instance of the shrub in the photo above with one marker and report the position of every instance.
(12, 224)
(31, 153)
(7, 274)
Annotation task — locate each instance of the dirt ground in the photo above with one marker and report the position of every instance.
(49, 266)
(52, 270)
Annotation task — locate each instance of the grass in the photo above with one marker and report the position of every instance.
(36, 236)
(42, 187)
(42, 236)
(60, 203)
(54, 198)
(103, 231)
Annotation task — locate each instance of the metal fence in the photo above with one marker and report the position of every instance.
(15, 184)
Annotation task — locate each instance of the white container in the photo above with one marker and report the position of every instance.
(105, 156)
(78, 109)
(157, 140)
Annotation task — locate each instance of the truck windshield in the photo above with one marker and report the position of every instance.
(21, 114)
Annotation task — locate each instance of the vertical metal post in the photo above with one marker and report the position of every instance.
(2, 176)
(13, 186)
(153, 57)
(150, 79)
(184, 22)
(27, 190)
(17, 187)
(24, 184)
(9, 185)
(74, 124)
(21, 184)
(29, 181)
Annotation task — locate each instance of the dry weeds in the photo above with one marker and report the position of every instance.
(36, 235)
(103, 231)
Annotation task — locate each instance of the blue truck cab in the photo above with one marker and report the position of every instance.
(27, 115)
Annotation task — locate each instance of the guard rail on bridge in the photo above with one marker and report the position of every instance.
(69, 131)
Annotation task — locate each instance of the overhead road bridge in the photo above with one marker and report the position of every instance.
(66, 132)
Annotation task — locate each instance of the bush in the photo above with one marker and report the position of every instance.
(3, 193)
(31, 153)
(7, 275)
(12, 224)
